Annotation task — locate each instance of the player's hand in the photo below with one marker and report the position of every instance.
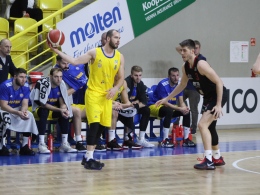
(184, 110)
(23, 115)
(65, 113)
(161, 102)
(111, 93)
(217, 111)
(51, 47)
(117, 106)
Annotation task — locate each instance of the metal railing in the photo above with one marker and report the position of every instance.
(50, 17)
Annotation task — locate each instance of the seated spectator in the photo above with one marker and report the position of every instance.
(136, 94)
(121, 96)
(25, 8)
(50, 94)
(14, 97)
(170, 109)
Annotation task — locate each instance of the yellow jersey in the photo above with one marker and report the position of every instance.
(118, 94)
(103, 71)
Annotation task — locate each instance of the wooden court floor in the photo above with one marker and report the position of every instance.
(173, 174)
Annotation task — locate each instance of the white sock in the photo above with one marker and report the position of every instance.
(89, 155)
(25, 141)
(126, 137)
(186, 132)
(165, 133)
(112, 135)
(78, 138)
(64, 138)
(141, 135)
(216, 154)
(208, 154)
(2, 143)
(41, 139)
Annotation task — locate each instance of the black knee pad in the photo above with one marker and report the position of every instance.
(92, 133)
(214, 134)
(101, 129)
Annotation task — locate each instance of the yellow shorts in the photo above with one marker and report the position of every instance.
(98, 108)
(37, 118)
(81, 106)
(154, 112)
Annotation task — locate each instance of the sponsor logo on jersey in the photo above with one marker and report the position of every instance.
(21, 95)
(99, 65)
(79, 75)
(52, 100)
(195, 68)
(14, 102)
(189, 76)
(77, 68)
(58, 93)
(116, 61)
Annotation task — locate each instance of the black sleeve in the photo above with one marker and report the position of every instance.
(143, 93)
(12, 67)
(18, 7)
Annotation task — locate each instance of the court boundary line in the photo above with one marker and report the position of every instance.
(236, 166)
(127, 158)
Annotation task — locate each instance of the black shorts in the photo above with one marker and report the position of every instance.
(209, 103)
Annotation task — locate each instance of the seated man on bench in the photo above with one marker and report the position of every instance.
(170, 109)
(14, 97)
(50, 94)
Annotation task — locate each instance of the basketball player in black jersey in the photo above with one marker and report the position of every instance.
(207, 83)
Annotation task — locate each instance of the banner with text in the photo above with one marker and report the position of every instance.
(145, 14)
(84, 28)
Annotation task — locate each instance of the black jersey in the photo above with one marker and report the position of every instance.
(201, 83)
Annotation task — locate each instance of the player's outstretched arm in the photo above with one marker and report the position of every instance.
(205, 69)
(179, 88)
(256, 66)
(83, 59)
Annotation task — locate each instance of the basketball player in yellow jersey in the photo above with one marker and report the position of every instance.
(105, 63)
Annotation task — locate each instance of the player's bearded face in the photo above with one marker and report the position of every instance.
(64, 65)
(114, 40)
(112, 44)
(56, 78)
(174, 77)
(20, 79)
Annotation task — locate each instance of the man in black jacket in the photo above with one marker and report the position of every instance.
(136, 94)
(6, 63)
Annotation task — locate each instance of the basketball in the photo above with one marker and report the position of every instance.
(56, 38)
